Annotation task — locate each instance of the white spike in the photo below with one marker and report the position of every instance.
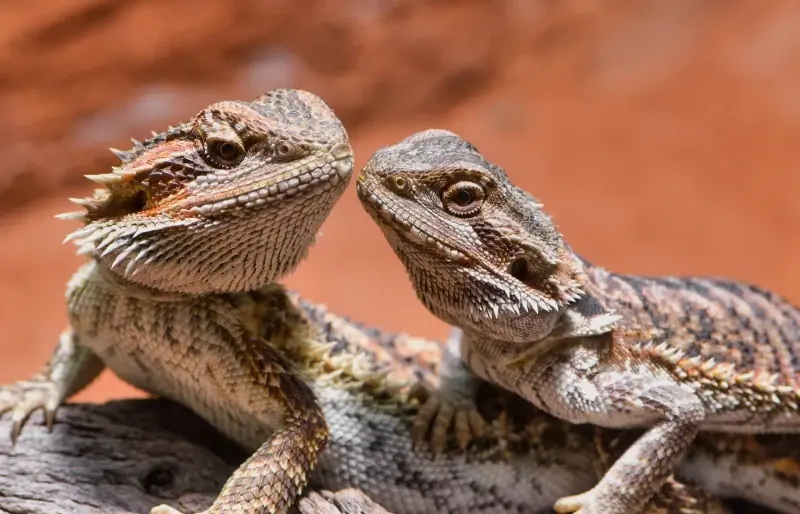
(83, 202)
(124, 255)
(122, 155)
(80, 233)
(129, 269)
(106, 178)
(98, 234)
(112, 235)
(85, 249)
(75, 215)
(709, 364)
(116, 245)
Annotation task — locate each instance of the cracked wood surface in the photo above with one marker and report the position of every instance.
(125, 457)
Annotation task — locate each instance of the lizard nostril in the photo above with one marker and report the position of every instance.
(342, 151)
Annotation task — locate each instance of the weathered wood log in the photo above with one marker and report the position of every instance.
(126, 457)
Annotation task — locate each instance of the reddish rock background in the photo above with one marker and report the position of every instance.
(663, 136)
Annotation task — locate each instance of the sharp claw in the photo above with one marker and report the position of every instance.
(16, 426)
(423, 420)
(443, 421)
(477, 424)
(50, 418)
(164, 509)
(23, 398)
(571, 504)
(462, 430)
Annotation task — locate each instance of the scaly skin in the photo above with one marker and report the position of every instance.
(183, 236)
(539, 459)
(677, 355)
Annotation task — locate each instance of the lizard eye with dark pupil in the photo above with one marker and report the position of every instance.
(228, 151)
(463, 199)
(225, 153)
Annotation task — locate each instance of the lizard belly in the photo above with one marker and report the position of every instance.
(169, 348)
(184, 381)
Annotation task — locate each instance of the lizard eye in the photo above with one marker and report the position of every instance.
(398, 183)
(463, 199)
(225, 153)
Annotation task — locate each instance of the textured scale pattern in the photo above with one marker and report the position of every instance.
(676, 355)
(734, 323)
(526, 461)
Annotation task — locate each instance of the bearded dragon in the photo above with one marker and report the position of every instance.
(589, 346)
(183, 238)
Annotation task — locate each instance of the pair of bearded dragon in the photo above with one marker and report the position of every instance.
(188, 237)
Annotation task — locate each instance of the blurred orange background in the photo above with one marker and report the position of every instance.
(663, 136)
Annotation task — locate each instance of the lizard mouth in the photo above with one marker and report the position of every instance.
(391, 216)
(301, 179)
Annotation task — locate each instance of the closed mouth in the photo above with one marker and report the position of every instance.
(393, 218)
(300, 179)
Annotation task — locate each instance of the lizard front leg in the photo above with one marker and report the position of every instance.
(621, 399)
(674, 497)
(271, 479)
(71, 368)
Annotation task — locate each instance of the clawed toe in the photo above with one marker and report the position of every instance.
(438, 416)
(164, 509)
(24, 398)
(577, 504)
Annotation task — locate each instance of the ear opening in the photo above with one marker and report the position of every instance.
(519, 269)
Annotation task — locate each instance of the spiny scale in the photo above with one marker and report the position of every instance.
(120, 175)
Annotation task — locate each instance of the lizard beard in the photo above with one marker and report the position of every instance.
(477, 301)
(205, 255)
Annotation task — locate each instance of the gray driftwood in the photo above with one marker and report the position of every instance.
(126, 457)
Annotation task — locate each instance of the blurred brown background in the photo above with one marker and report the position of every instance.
(663, 135)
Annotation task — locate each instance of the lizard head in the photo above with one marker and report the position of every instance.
(479, 251)
(228, 201)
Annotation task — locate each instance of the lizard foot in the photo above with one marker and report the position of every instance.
(164, 509)
(439, 412)
(24, 397)
(583, 503)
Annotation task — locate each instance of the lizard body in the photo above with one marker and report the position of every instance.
(676, 355)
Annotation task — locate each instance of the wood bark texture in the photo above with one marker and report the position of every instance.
(126, 457)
